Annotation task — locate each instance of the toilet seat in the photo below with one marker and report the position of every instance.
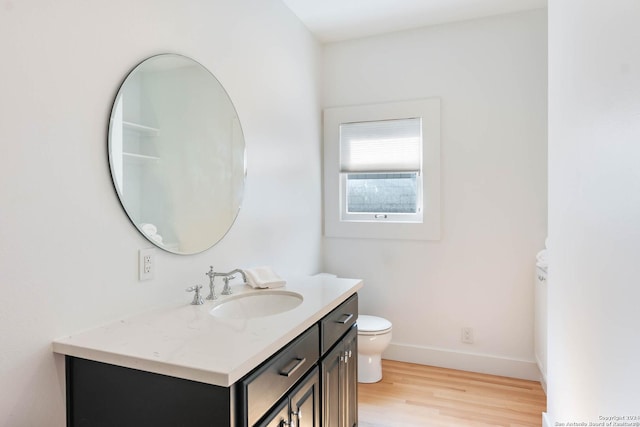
(373, 325)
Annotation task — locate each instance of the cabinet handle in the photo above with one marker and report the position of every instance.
(346, 357)
(292, 367)
(345, 318)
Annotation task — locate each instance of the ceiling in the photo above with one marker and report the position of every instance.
(336, 20)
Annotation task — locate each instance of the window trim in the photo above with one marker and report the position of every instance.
(429, 229)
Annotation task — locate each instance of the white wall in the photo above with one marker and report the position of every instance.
(594, 210)
(68, 254)
(491, 77)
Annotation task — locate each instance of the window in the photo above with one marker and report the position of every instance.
(382, 170)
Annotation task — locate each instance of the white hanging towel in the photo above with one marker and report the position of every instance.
(263, 277)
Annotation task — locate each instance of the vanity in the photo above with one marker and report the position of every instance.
(274, 357)
(185, 366)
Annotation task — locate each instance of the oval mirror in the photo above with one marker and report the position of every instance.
(177, 154)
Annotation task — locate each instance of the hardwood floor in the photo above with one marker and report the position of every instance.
(425, 396)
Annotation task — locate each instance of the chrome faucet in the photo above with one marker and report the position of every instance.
(226, 290)
(212, 275)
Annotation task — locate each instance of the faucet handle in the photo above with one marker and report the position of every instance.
(197, 299)
(226, 290)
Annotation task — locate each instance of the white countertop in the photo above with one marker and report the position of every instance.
(185, 341)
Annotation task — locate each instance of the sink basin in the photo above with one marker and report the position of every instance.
(256, 304)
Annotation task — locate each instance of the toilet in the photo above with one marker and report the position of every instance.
(374, 335)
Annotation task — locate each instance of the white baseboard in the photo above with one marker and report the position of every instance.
(483, 363)
(543, 375)
(545, 420)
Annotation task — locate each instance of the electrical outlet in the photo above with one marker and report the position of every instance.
(467, 335)
(146, 264)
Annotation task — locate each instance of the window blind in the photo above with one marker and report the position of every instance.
(381, 146)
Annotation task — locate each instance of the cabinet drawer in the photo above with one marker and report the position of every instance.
(263, 388)
(338, 322)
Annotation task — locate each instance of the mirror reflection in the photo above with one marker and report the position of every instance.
(177, 154)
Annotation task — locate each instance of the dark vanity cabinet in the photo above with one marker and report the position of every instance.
(262, 389)
(311, 382)
(339, 367)
(301, 408)
(105, 395)
(328, 395)
(340, 383)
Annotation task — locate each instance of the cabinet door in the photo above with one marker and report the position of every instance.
(278, 417)
(340, 383)
(305, 402)
(331, 388)
(350, 379)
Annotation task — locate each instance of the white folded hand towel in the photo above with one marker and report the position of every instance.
(263, 277)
